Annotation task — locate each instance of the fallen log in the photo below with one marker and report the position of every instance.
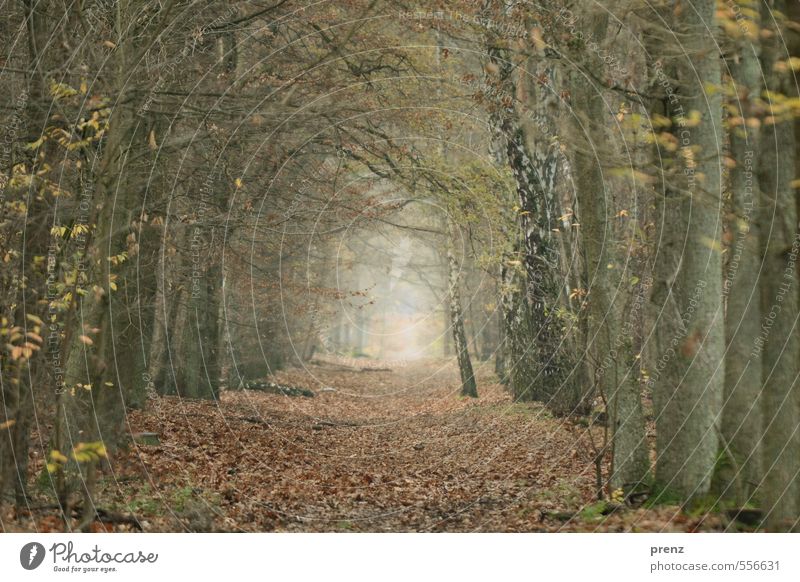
(112, 517)
(335, 366)
(273, 388)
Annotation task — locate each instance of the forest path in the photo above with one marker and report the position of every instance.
(392, 450)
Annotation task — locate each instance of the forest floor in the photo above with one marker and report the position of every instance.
(395, 451)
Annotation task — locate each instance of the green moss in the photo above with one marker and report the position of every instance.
(662, 496)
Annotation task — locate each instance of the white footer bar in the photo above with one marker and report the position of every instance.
(379, 557)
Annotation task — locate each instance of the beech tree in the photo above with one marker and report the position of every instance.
(741, 423)
(688, 294)
(777, 340)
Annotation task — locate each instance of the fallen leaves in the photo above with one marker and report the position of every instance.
(384, 451)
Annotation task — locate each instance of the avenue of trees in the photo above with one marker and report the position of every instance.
(600, 197)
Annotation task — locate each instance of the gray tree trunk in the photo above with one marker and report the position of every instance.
(540, 364)
(778, 336)
(740, 468)
(191, 336)
(468, 385)
(17, 391)
(610, 325)
(689, 338)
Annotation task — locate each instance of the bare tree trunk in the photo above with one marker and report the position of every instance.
(26, 309)
(191, 369)
(778, 337)
(689, 337)
(171, 331)
(507, 295)
(609, 337)
(468, 384)
(741, 428)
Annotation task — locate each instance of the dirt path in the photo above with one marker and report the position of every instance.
(373, 451)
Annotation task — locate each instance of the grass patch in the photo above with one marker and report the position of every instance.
(144, 500)
(663, 496)
(525, 409)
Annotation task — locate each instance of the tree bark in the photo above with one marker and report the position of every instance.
(689, 335)
(741, 428)
(610, 325)
(468, 384)
(28, 305)
(778, 336)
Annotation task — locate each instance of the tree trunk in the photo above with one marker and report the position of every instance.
(501, 319)
(468, 384)
(540, 370)
(689, 336)
(739, 471)
(778, 336)
(198, 362)
(193, 331)
(27, 308)
(169, 296)
(610, 324)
